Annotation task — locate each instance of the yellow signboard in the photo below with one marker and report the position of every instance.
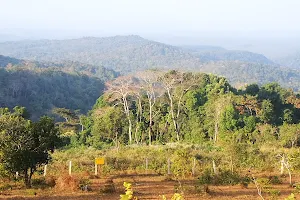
(99, 161)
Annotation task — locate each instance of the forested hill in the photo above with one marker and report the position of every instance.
(66, 66)
(213, 53)
(122, 53)
(127, 54)
(42, 86)
(41, 90)
(242, 73)
(5, 60)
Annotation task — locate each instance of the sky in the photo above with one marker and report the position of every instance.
(166, 20)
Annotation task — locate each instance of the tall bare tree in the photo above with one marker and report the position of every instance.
(149, 84)
(176, 84)
(120, 89)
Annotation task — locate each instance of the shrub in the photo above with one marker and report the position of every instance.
(67, 182)
(108, 187)
(223, 178)
(84, 184)
(274, 180)
(5, 186)
(206, 178)
(274, 193)
(50, 181)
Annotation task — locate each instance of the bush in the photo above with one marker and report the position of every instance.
(5, 187)
(206, 178)
(84, 184)
(67, 182)
(274, 180)
(274, 193)
(223, 178)
(50, 181)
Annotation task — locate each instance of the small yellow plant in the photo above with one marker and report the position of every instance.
(176, 196)
(128, 192)
(291, 197)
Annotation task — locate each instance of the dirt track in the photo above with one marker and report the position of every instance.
(150, 187)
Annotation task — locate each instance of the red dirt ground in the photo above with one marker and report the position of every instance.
(149, 187)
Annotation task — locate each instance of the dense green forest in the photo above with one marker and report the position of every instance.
(156, 107)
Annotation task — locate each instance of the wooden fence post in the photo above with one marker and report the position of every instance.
(96, 169)
(45, 170)
(169, 166)
(70, 167)
(194, 167)
(146, 165)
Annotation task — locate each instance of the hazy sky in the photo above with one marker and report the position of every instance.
(151, 16)
(266, 26)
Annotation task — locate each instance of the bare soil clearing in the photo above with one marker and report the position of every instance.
(148, 187)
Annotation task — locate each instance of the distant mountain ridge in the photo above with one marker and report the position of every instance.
(213, 53)
(128, 54)
(122, 53)
(292, 61)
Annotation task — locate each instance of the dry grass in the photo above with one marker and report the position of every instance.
(67, 183)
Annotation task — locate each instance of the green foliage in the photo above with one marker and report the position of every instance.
(252, 89)
(267, 111)
(229, 118)
(24, 145)
(274, 193)
(225, 177)
(275, 180)
(108, 126)
(289, 134)
(288, 116)
(181, 162)
(249, 123)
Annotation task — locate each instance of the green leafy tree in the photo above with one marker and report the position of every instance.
(252, 89)
(288, 116)
(267, 111)
(25, 145)
(229, 118)
(108, 126)
(289, 134)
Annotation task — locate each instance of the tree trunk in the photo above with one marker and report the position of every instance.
(126, 109)
(282, 166)
(27, 179)
(172, 115)
(150, 121)
(231, 164)
(214, 167)
(129, 130)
